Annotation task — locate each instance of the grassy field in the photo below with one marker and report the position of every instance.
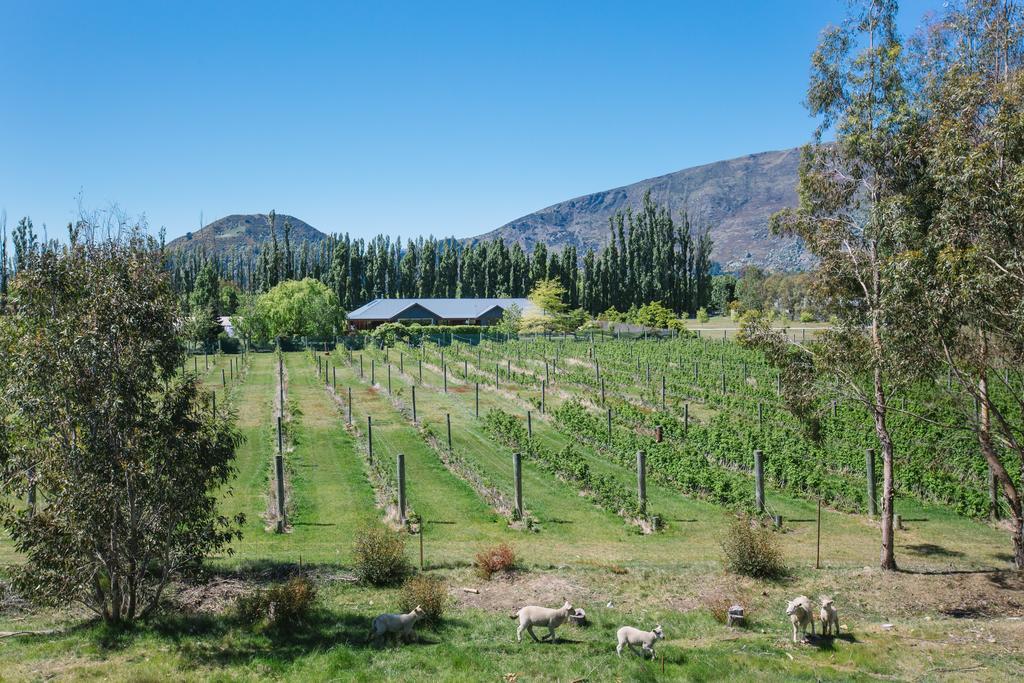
(952, 613)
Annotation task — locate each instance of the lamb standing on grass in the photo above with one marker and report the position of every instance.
(633, 636)
(829, 617)
(541, 616)
(801, 613)
(402, 624)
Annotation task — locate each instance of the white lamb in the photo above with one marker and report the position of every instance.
(801, 613)
(630, 636)
(541, 616)
(402, 624)
(829, 617)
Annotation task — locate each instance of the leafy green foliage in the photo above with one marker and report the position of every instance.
(379, 556)
(283, 605)
(752, 549)
(127, 458)
(300, 308)
(428, 592)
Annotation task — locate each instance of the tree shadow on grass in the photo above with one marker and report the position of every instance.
(827, 643)
(931, 550)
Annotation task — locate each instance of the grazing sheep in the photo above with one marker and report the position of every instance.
(630, 636)
(402, 624)
(801, 613)
(541, 616)
(829, 617)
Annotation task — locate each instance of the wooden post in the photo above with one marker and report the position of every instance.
(413, 404)
(508, 370)
(478, 399)
(421, 543)
(350, 405)
(389, 379)
(870, 464)
(360, 366)
(465, 369)
(686, 419)
(421, 370)
(448, 421)
(543, 392)
(401, 363)
(696, 371)
(817, 552)
(223, 377)
(602, 392)
(401, 486)
(529, 424)
(609, 427)
(444, 373)
(597, 368)
(641, 480)
(517, 475)
(759, 480)
(334, 372)
(373, 371)
(213, 395)
(495, 375)
(663, 393)
(280, 437)
(206, 356)
(280, 382)
(369, 437)
(658, 434)
(279, 476)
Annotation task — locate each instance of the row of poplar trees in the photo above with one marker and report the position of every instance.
(648, 257)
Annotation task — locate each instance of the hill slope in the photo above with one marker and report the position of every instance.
(735, 197)
(243, 230)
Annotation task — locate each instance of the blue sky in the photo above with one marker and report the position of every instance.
(405, 118)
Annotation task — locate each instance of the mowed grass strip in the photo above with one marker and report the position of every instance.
(457, 519)
(559, 508)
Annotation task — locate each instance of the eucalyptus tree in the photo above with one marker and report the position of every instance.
(127, 457)
(857, 215)
(972, 89)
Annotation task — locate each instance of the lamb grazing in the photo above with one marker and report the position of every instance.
(402, 624)
(633, 636)
(829, 617)
(541, 616)
(801, 613)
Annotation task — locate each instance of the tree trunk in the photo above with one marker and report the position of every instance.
(888, 557)
(999, 471)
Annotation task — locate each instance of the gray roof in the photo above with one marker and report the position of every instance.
(446, 309)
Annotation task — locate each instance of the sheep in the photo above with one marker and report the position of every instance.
(801, 613)
(402, 624)
(630, 636)
(829, 617)
(531, 616)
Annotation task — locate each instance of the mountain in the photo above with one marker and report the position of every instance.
(244, 230)
(735, 198)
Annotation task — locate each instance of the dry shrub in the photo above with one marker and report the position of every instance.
(498, 558)
(751, 549)
(429, 593)
(284, 604)
(380, 556)
(718, 606)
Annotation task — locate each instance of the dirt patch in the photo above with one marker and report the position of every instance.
(983, 594)
(506, 593)
(215, 597)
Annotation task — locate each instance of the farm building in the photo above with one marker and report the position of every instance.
(433, 311)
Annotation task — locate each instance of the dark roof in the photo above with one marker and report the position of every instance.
(444, 309)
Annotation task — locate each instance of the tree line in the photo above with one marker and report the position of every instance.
(648, 257)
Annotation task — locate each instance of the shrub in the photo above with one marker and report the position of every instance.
(702, 315)
(380, 556)
(498, 558)
(284, 604)
(429, 593)
(806, 317)
(752, 549)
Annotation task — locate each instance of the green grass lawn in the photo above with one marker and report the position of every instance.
(946, 609)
